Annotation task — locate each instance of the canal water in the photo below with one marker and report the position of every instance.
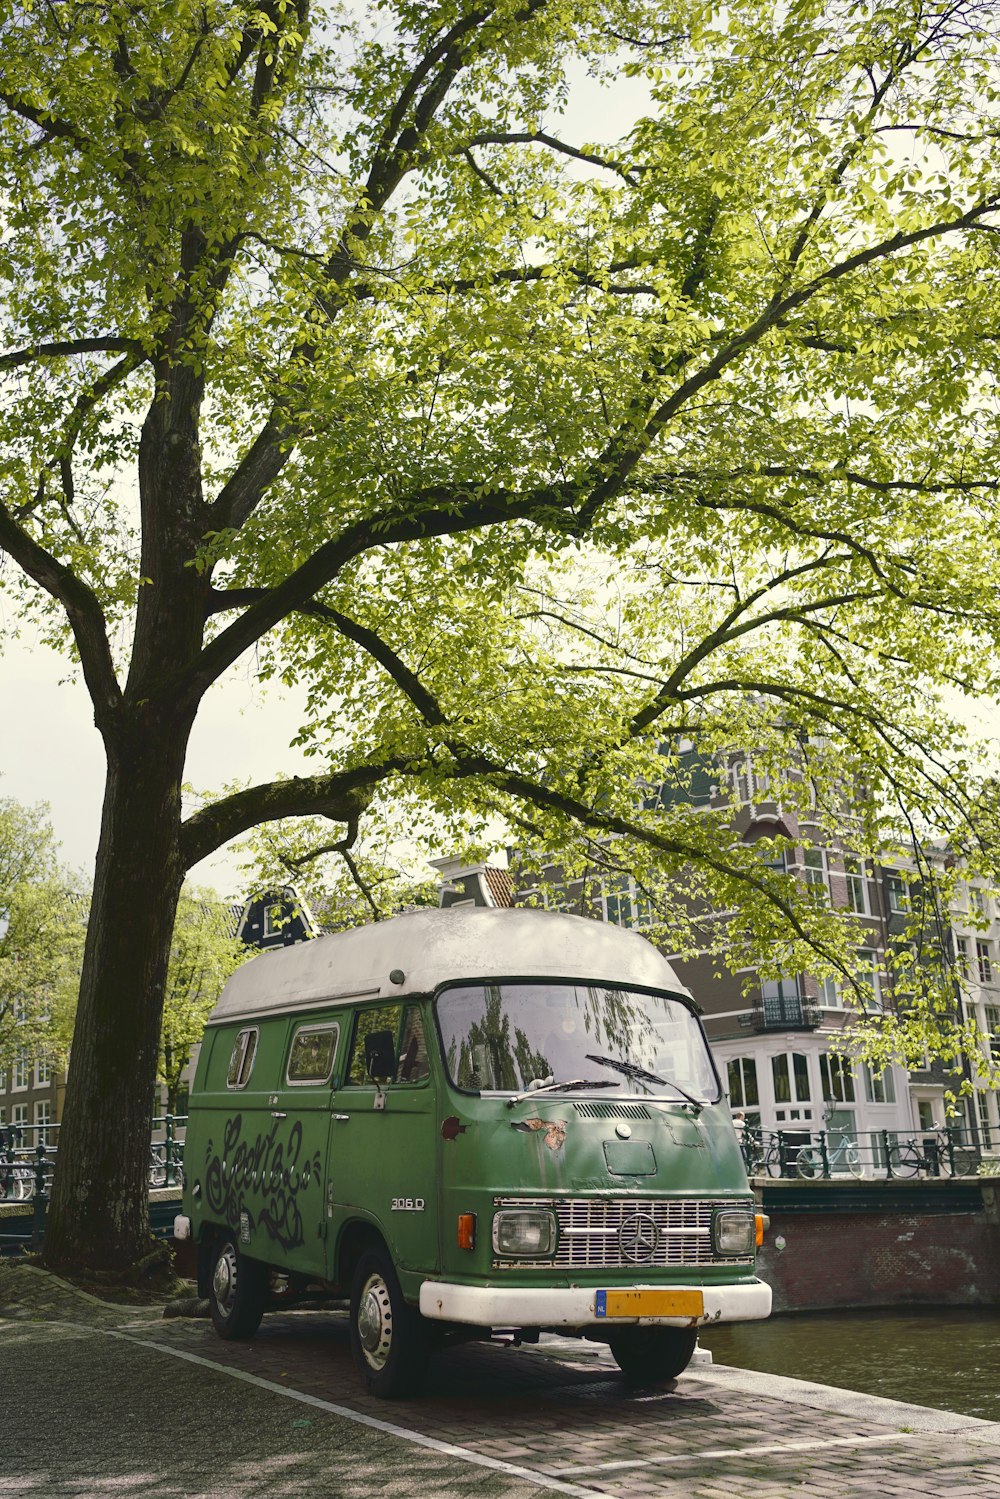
(944, 1357)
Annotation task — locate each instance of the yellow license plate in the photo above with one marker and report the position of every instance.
(650, 1304)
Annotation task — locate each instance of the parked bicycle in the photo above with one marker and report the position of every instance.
(17, 1180)
(762, 1157)
(158, 1172)
(941, 1156)
(844, 1156)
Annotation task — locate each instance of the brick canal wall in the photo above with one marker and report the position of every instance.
(839, 1244)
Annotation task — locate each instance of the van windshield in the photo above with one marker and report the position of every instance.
(514, 1037)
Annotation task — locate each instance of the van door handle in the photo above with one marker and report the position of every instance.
(340, 1118)
(276, 1115)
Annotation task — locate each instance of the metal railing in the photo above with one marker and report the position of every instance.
(28, 1155)
(815, 1155)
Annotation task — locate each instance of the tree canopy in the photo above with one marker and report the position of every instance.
(538, 453)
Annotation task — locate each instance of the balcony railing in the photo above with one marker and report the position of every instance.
(785, 1012)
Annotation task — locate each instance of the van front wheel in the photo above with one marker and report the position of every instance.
(648, 1355)
(389, 1339)
(237, 1290)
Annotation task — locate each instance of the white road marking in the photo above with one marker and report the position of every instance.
(763, 1449)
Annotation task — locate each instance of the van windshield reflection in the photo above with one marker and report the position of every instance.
(522, 1037)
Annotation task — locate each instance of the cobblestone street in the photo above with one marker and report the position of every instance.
(490, 1421)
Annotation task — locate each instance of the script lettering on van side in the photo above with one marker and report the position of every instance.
(271, 1173)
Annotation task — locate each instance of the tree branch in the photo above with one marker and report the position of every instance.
(340, 796)
(83, 611)
(63, 348)
(539, 137)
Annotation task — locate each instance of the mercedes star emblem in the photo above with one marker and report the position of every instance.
(639, 1238)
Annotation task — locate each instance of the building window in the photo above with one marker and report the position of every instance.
(857, 897)
(984, 963)
(879, 1086)
(962, 957)
(897, 894)
(814, 870)
(993, 1030)
(21, 1070)
(749, 783)
(274, 919)
(623, 905)
(869, 978)
(43, 1118)
(790, 1075)
(979, 902)
(837, 1078)
(43, 1073)
(743, 1092)
(19, 1118)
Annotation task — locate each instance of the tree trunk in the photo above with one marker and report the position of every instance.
(99, 1214)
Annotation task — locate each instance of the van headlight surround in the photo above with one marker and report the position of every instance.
(734, 1232)
(524, 1233)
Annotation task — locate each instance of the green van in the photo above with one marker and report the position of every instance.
(470, 1121)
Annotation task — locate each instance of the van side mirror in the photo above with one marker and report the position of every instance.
(380, 1056)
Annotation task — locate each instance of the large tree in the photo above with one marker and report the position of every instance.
(535, 459)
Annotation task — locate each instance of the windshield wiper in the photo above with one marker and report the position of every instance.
(632, 1069)
(573, 1082)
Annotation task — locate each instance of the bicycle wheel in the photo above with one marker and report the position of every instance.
(903, 1160)
(771, 1162)
(852, 1155)
(809, 1164)
(964, 1161)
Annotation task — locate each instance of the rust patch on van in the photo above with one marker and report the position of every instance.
(452, 1127)
(554, 1130)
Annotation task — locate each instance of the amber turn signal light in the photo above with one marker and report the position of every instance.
(761, 1221)
(466, 1230)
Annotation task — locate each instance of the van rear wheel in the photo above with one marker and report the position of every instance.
(390, 1340)
(237, 1290)
(649, 1355)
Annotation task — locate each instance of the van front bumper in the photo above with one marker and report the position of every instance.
(580, 1306)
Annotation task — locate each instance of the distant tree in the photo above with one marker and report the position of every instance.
(325, 339)
(203, 954)
(42, 927)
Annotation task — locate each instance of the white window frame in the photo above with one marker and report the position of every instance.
(42, 1121)
(876, 1083)
(984, 961)
(816, 876)
(324, 1026)
(857, 884)
(19, 1076)
(43, 1072)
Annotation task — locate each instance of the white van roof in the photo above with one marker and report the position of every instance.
(415, 953)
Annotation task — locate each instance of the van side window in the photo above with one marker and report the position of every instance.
(381, 1018)
(413, 1064)
(241, 1061)
(311, 1057)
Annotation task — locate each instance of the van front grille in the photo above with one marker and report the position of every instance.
(630, 1233)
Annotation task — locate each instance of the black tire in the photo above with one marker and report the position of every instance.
(852, 1156)
(390, 1341)
(650, 1355)
(237, 1290)
(903, 1160)
(772, 1162)
(966, 1161)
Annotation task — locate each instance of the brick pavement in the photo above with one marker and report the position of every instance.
(563, 1415)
